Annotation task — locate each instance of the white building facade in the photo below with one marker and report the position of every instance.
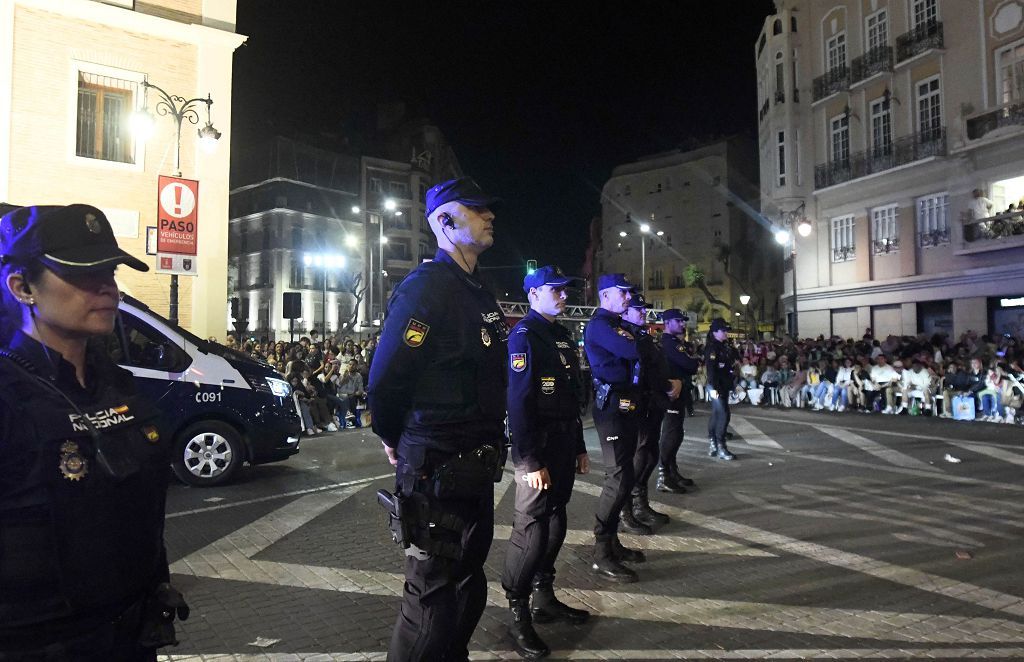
(878, 119)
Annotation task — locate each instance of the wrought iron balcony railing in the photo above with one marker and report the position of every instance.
(780, 96)
(1011, 114)
(1000, 226)
(877, 60)
(933, 237)
(923, 37)
(844, 253)
(887, 245)
(832, 81)
(764, 111)
(901, 151)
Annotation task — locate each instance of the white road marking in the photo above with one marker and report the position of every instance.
(878, 450)
(752, 435)
(997, 453)
(661, 543)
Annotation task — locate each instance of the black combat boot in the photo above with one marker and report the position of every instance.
(723, 451)
(712, 447)
(528, 643)
(546, 608)
(607, 566)
(680, 478)
(667, 482)
(629, 523)
(623, 553)
(643, 512)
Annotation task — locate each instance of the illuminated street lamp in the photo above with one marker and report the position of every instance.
(325, 262)
(389, 206)
(784, 235)
(178, 108)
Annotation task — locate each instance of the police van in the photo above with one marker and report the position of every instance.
(221, 407)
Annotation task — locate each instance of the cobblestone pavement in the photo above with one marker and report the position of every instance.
(833, 537)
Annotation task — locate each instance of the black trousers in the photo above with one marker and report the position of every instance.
(618, 434)
(645, 461)
(672, 435)
(720, 416)
(114, 640)
(539, 526)
(443, 598)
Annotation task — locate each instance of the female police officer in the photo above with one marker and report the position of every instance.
(83, 470)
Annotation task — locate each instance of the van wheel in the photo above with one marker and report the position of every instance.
(207, 454)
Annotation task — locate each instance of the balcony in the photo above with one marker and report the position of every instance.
(900, 152)
(1011, 114)
(885, 246)
(780, 96)
(834, 80)
(875, 61)
(919, 40)
(763, 112)
(844, 253)
(933, 238)
(994, 233)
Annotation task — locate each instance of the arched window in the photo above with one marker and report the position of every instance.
(777, 26)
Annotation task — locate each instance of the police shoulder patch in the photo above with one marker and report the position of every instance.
(625, 334)
(415, 332)
(518, 361)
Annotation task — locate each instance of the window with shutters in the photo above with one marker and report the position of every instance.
(884, 229)
(933, 220)
(843, 248)
(103, 122)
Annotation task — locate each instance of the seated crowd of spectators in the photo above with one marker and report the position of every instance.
(328, 377)
(976, 377)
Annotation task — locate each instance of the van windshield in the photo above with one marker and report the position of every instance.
(204, 346)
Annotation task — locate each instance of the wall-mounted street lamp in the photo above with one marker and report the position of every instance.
(392, 207)
(784, 235)
(178, 108)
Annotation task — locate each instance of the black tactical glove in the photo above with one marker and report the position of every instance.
(158, 614)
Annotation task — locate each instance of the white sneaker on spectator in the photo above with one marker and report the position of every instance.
(887, 410)
(310, 432)
(818, 407)
(331, 427)
(840, 408)
(900, 410)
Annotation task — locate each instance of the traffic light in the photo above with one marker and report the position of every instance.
(234, 308)
(531, 266)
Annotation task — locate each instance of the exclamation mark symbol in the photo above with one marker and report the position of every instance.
(177, 201)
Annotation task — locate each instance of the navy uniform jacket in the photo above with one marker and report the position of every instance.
(719, 364)
(680, 364)
(545, 389)
(79, 544)
(611, 350)
(654, 370)
(438, 376)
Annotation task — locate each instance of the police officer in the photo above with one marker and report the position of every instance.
(615, 366)
(437, 393)
(719, 363)
(681, 366)
(637, 516)
(545, 394)
(83, 468)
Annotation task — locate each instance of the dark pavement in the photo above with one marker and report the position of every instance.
(834, 536)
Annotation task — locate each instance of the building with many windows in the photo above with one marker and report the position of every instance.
(71, 74)
(667, 213)
(308, 220)
(896, 128)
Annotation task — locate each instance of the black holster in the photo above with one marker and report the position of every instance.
(158, 611)
(602, 391)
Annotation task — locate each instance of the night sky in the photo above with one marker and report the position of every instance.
(539, 100)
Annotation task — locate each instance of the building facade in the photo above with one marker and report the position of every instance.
(696, 207)
(896, 128)
(72, 73)
(310, 221)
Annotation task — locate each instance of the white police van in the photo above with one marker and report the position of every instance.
(221, 407)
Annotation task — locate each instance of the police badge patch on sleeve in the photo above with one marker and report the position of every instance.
(415, 332)
(518, 362)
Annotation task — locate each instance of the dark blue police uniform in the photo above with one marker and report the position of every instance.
(681, 366)
(615, 366)
(82, 514)
(83, 470)
(437, 393)
(637, 515)
(719, 360)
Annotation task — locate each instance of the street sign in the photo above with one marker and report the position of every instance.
(181, 265)
(177, 215)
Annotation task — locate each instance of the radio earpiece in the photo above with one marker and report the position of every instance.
(446, 219)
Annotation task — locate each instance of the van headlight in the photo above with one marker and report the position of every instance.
(279, 387)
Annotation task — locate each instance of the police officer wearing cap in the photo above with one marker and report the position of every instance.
(681, 366)
(719, 362)
(83, 468)
(545, 394)
(637, 516)
(616, 369)
(437, 391)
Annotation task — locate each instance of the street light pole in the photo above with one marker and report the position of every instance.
(179, 108)
(795, 220)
